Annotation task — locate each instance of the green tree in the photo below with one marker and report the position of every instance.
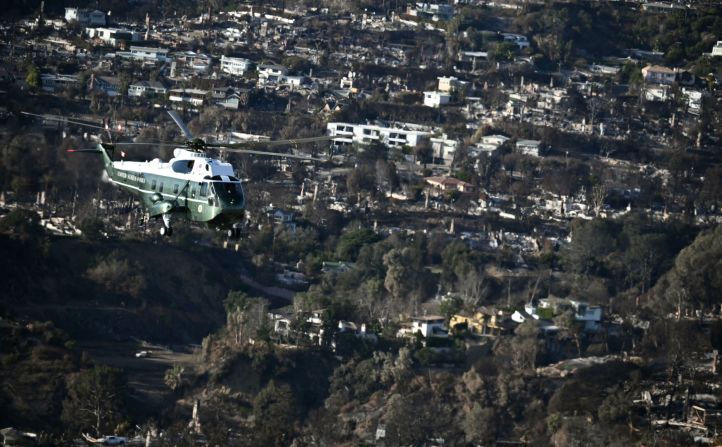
(33, 76)
(96, 400)
(350, 243)
(696, 278)
(173, 377)
(403, 273)
(244, 317)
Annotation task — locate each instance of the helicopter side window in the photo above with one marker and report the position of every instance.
(193, 192)
(204, 189)
(160, 187)
(175, 188)
(152, 185)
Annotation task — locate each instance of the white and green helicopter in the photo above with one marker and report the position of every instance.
(192, 184)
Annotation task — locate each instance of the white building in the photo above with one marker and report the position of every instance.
(429, 326)
(113, 36)
(450, 84)
(192, 96)
(436, 99)
(270, 74)
(149, 53)
(656, 74)
(434, 11)
(85, 16)
(590, 316)
(404, 135)
(473, 56)
(717, 49)
(235, 65)
(444, 149)
(347, 81)
(528, 147)
(146, 88)
(490, 143)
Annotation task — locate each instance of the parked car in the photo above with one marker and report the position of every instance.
(142, 354)
(115, 440)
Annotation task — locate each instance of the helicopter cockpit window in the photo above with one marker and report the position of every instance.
(229, 192)
(204, 189)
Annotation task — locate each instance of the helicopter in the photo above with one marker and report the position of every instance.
(192, 184)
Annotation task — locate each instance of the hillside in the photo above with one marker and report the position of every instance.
(119, 289)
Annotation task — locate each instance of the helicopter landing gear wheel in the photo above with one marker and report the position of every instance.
(166, 229)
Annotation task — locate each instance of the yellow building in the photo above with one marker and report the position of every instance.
(480, 323)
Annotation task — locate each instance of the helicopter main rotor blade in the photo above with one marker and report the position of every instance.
(179, 121)
(149, 144)
(271, 143)
(272, 154)
(63, 119)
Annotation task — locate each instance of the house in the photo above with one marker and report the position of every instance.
(113, 36)
(548, 308)
(657, 74)
(232, 101)
(56, 82)
(147, 54)
(490, 143)
(451, 84)
(717, 49)
(445, 184)
(528, 147)
(444, 149)
(433, 11)
(235, 65)
(270, 74)
(346, 327)
(85, 16)
(110, 85)
(192, 60)
(146, 88)
(402, 134)
(473, 56)
(427, 326)
(192, 96)
(483, 322)
(436, 99)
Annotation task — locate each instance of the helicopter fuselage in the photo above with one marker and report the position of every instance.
(191, 184)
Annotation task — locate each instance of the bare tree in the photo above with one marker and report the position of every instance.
(472, 286)
(598, 194)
